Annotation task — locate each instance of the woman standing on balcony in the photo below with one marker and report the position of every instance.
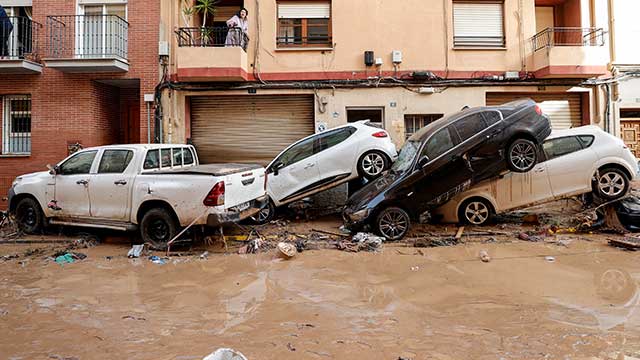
(238, 29)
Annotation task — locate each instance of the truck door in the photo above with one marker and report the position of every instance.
(72, 185)
(110, 186)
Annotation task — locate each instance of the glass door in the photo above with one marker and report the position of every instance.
(101, 30)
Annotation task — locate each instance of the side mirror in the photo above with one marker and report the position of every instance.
(53, 170)
(276, 168)
(423, 161)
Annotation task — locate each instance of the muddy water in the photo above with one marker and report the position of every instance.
(445, 304)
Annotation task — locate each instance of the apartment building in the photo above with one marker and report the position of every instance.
(73, 73)
(310, 65)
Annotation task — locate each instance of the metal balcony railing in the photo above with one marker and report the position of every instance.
(87, 37)
(567, 36)
(304, 41)
(212, 37)
(19, 38)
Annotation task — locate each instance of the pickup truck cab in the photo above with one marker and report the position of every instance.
(155, 188)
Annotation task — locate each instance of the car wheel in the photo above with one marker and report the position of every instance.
(475, 211)
(393, 223)
(265, 215)
(522, 155)
(29, 216)
(372, 164)
(611, 183)
(158, 227)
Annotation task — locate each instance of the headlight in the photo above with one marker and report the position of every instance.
(359, 215)
(16, 181)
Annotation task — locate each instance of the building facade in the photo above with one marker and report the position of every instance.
(73, 73)
(305, 66)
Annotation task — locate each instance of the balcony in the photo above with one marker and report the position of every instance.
(569, 52)
(212, 54)
(87, 43)
(19, 54)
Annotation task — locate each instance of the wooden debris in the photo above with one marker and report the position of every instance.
(628, 242)
(459, 233)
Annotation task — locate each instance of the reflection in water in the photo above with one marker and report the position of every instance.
(243, 306)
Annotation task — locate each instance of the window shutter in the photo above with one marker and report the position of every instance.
(11, 3)
(304, 10)
(478, 24)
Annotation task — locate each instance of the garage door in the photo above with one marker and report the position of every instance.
(248, 128)
(564, 110)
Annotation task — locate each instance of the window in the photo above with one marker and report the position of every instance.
(478, 24)
(104, 29)
(561, 146)
(298, 152)
(438, 144)
(177, 156)
(586, 140)
(334, 137)
(304, 24)
(78, 164)
(151, 161)
(415, 122)
(375, 115)
(114, 161)
(188, 157)
(470, 125)
(16, 125)
(491, 117)
(165, 155)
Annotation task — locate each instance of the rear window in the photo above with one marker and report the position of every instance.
(586, 140)
(188, 157)
(177, 156)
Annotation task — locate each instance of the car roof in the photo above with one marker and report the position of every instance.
(581, 130)
(136, 146)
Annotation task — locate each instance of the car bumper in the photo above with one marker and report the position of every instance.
(233, 216)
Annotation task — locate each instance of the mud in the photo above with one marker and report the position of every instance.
(434, 303)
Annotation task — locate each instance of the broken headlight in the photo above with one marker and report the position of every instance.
(360, 215)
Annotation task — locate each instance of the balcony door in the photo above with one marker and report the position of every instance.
(19, 40)
(101, 31)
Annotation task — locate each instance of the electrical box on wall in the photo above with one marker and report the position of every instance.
(368, 58)
(396, 56)
(379, 62)
(163, 48)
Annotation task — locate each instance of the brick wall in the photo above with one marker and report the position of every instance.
(75, 107)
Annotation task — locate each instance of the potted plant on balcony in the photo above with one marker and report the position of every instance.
(206, 8)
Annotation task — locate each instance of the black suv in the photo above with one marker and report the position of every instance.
(447, 157)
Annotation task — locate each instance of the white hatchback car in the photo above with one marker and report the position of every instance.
(577, 161)
(325, 160)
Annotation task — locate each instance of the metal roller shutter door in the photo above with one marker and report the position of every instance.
(248, 128)
(564, 110)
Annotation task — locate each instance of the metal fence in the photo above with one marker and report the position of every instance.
(87, 36)
(16, 124)
(304, 41)
(19, 38)
(567, 36)
(212, 37)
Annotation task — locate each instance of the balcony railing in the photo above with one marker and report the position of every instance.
(567, 36)
(87, 37)
(19, 38)
(212, 37)
(304, 41)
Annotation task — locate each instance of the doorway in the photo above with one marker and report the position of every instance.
(375, 115)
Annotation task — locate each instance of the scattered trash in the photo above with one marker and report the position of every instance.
(68, 257)
(415, 268)
(87, 240)
(134, 318)
(484, 256)
(287, 250)
(361, 242)
(550, 258)
(436, 242)
(343, 229)
(136, 251)
(628, 242)
(225, 354)
(157, 260)
(291, 347)
(526, 236)
(204, 255)
(459, 233)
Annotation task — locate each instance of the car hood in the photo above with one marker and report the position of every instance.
(372, 193)
(29, 176)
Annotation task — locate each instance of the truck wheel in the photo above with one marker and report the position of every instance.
(476, 211)
(157, 227)
(372, 164)
(612, 183)
(393, 223)
(264, 215)
(29, 216)
(522, 155)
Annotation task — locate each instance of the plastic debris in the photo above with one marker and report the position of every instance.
(550, 258)
(204, 255)
(484, 256)
(68, 257)
(287, 250)
(136, 251)
(225, 354)
(361, 241)
(157, 260)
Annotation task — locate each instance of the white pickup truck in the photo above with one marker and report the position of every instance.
(154, 187)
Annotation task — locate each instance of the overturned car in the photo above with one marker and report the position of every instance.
(445, 158)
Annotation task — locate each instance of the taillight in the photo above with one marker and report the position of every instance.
(538, 110)
(380, 134)
(215, 196)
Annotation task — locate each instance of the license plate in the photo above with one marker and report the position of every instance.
(244, 206)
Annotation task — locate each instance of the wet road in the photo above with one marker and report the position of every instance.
(444, 304)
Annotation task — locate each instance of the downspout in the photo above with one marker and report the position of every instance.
(612, 92)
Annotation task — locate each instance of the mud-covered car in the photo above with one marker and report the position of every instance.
(445, 158)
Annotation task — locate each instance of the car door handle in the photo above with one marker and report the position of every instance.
(82, 182)
(120, 182)
(309, 166)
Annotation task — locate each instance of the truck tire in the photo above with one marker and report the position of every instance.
(157, 227)
(29, 216)
(522, 155)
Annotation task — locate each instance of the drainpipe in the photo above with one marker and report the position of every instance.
(612, 92)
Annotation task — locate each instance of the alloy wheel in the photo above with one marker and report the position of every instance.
(262, 215)
(476, 212)
(523, 156)
(373, 164)
(611, 184)
(393, 224)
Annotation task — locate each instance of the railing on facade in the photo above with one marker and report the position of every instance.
(567, 36)
(304, 41)
(221, 36)
(19, 38)
(87, 37)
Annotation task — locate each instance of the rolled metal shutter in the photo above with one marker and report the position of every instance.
(564, 110)
(478, 24)
(304, 10)
(249, 129)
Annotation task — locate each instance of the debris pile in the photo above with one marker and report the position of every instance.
(361, 242)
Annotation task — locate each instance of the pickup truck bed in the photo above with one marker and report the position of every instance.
(210, 169)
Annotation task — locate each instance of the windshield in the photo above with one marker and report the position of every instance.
(406, 156)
